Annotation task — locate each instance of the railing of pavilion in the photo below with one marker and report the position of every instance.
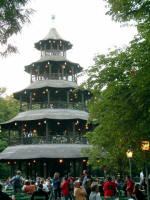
(54, 104)
(54, 76)
(58, 139)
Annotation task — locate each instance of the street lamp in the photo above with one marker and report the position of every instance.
(129, 154)
(145, 147)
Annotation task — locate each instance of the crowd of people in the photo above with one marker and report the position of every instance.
(70, 188)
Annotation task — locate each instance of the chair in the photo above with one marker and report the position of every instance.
(39, 197)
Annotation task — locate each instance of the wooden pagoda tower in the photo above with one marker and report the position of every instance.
(48, 134)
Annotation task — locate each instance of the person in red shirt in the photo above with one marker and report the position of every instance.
(130, 187)
(110, 189)
(65, 188)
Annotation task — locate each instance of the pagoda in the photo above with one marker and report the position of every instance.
(48, 134)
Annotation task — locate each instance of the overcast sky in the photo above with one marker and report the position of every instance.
(82, 22)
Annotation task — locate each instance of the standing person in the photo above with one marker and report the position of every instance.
(79, 191)
(130, 187)
(3, 195)
(110, 189)
(85, 177)
(56, 185)
(95, 195)
(87, 187)
(141, 177)
(65, 188)
(71, 185)
(40, 192)
(138, 193)
(17, 182)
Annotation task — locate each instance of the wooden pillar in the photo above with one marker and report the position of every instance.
(68, 99)
(20, 165)
(46, 129)
(20, 103)
(73, 126)
(9, 136)
(30, 100)
(31, 81)
(74, 168)
(72, 69)
(50, 71)
(48, 98)
(45, 169)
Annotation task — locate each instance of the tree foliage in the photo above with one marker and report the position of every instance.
(119, 81)
(13, 15)
(9, 107)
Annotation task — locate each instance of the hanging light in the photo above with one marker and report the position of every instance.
(25, 125)
(63, 66)
(33, 64)
(58, 123)
(46, 66)
(86, 127)
(39, 123)
(145, 146)
(79, 129)
(45, 122)
(34, 161)
(44, 92)
(25, 92)
(84, 160)
(61, 160)
(49, 41)
(65, 63)
(70, 71)
(56, 92)
(34, 94)
(71, 99)
(48, 63)
(36, 70)
(34, 131)
(54, 41)
(29, 163)
(15, 123)
(33, 99)
(8, 163)
(15, 163)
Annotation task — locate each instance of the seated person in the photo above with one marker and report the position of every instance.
(3, 195)
(40, 192)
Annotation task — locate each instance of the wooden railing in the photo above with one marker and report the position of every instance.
(54, 76)
(58, 139)
(54, 104)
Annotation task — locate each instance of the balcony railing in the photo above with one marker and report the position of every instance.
(58, 139)
(54, 104)
(54, 76)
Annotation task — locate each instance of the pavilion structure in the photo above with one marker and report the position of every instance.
(48, 134)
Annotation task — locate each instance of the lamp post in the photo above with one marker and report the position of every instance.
(145, 146)
(129, 154)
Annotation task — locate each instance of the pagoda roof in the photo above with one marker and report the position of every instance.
(49, 113)
(39, 151)
(49, 83)
(53, 34)
(53, 59)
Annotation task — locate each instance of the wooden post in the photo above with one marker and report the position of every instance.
(31, 100)
(31, 81)
(9, 136)
(50, 71)
(73, 132)
(48, 98)
(20, 103)
(46, 130)
(68, 99)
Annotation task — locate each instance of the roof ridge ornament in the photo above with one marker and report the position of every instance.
(53, 17)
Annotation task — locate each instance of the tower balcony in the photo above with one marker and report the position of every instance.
(54, 76)
(53, 139)
(53, 105)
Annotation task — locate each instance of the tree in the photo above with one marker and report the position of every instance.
(120, 83)
(12, 17)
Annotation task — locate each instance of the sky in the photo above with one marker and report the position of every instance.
(82, 22)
